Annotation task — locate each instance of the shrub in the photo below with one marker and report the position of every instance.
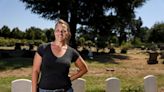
(137, 42)
(126, 45)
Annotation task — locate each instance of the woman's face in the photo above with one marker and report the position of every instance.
(61, 32)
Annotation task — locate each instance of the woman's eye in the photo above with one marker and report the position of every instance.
(64, 31)
(56, 30)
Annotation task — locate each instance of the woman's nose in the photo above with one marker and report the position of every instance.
(61, 32)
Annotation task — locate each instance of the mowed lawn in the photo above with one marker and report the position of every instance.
(130, 68)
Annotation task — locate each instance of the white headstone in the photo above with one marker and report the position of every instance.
(112, 85)
(78, 85)
(150, 84)
(21, 85)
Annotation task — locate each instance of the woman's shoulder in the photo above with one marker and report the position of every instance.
(73, 50)
(70, 48)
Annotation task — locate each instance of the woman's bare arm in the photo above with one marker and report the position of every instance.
(36, 71)
(83, 68)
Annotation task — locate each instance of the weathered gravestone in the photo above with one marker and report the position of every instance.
(24, 85)
(79, 85)
(150, 84)
(21, 85)
(153, 56)
(112, 85)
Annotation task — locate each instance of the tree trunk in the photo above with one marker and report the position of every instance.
(73, 24)
(73, 31)
(63, 12)
(122, 37)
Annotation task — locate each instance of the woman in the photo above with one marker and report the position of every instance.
(52, 62)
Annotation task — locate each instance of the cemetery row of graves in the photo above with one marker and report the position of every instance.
(130, 67)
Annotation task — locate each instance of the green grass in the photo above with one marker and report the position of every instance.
(12, 64)
(5, 83)
(130, 73)
(95, 83)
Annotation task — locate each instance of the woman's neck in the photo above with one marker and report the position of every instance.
(60, 44)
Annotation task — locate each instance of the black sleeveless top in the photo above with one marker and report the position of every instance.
(54, 70)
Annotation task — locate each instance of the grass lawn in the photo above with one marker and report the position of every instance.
(130, 68)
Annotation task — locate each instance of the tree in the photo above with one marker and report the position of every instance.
(157, 32)
(136, 27)
(16, 33)
(125, 13)
(87, 12)
(34, 33)
(144, 34)
(5, 31)
(49, 34)
(30, 35)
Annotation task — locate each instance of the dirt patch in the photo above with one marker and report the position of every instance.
(134, 63)
(17, 72)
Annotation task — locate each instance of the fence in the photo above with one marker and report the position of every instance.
(112, 85)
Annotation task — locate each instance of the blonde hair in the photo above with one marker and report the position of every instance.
(61, 21)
